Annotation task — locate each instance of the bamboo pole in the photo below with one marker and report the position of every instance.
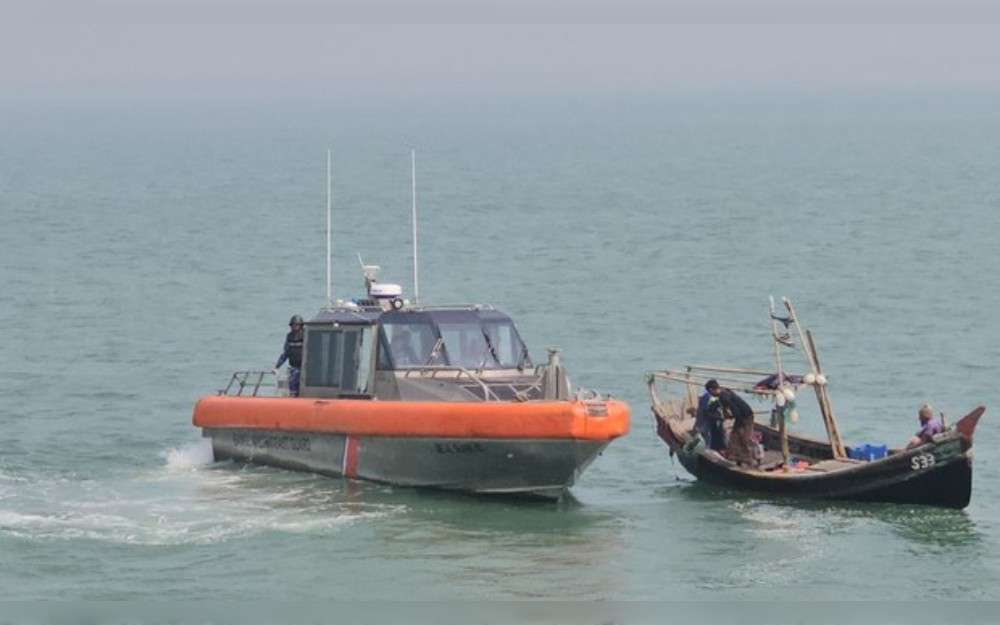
(653, 392)
(696, 379)
(823, 393)
(728, 369)
(738, 385)
(782, 427)
(783, 431)
(691, 394)
(822, 397)
(802, 336)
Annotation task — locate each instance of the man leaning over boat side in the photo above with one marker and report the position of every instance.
(742, 448)
(292, 352)
(929, 426)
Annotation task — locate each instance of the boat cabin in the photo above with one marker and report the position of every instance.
(433, 354)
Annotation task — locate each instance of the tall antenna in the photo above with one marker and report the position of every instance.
(413, 186)
(329, 237)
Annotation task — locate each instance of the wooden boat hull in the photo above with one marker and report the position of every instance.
(938, 473)
(535, 449)
(948, 484)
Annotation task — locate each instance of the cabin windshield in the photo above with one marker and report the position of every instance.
(466, 345)
(412, 343)
(510, 351)
(467, 339)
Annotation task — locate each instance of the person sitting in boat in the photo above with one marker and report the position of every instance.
(708, 419)
(292, 352)
(929, 426)
(401, 346)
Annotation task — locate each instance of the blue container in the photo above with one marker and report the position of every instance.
(868, 452)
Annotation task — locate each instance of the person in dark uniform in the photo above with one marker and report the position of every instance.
(292, 352)
(708, 420)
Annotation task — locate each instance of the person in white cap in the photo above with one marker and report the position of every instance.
(929, 426)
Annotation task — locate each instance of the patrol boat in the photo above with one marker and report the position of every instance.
(441, 397)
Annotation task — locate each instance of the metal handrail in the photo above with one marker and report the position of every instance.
(435, 369)
(423, 307)
(729, 369)
(587, 394)
(356, 308)
(243, 379)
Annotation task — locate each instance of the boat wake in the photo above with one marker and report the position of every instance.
(187, 500)
(190, 456)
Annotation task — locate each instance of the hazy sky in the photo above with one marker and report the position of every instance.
(148, 48)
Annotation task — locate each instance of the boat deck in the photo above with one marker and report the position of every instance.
(834, 465)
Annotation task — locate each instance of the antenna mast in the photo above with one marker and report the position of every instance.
(329, 238)
(413, 188)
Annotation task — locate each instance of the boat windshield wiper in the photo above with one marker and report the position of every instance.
(524, 358)
(489, 351)
(435, 351)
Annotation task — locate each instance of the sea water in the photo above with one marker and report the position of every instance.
(149, 249)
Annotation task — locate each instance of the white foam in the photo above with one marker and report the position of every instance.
(198, 526)
(180, 504)
(190, 456)
(10, 477)
(180, 501)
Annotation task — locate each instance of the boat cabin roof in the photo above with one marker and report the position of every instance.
(344, 315)
(369, 315)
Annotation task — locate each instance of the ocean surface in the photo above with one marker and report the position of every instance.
(148, 249)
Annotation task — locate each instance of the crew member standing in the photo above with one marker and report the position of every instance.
(708, 420)
(293, 354)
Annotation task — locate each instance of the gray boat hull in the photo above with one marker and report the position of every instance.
(543, 468)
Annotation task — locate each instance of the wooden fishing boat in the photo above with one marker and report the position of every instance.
(937, 472)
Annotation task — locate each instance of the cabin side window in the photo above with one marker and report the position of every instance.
(338, 360)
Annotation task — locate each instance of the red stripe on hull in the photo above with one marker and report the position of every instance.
(352, 454)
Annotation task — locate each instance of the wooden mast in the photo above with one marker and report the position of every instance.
(822, 395)
(782, 427)
(692, 395)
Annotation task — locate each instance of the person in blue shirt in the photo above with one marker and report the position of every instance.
(708, 420)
